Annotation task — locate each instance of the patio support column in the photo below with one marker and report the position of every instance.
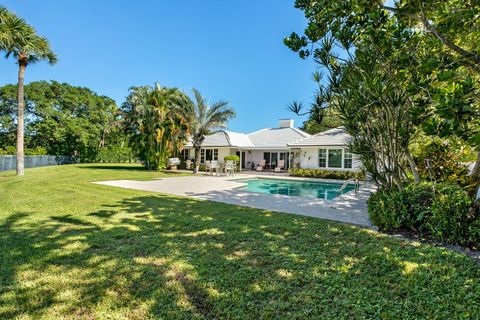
(240, 164)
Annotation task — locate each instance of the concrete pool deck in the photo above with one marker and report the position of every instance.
(347, 208)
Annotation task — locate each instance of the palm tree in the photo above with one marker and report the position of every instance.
(205, 120)
(157, 121)
(20, 40)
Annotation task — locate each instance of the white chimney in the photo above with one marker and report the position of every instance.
(285, 123)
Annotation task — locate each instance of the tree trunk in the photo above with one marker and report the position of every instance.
(20, 119)
(476, 174)
(413, 166)
(196, 162)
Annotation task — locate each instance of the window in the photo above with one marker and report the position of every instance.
(347, 159)
(335, 158)
(209, 154)
(322, 158)
(185, 154)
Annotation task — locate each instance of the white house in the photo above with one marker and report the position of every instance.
(326, 150)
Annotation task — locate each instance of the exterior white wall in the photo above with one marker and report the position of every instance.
(223, 152)
(254, 156)
(309, 159)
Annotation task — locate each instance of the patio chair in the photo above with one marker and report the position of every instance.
(280, 166)
(230, 167)
(208, 166)
(214, 166)
(261, 165)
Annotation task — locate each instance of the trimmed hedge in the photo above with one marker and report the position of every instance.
(115, 154)
(442, 212)
(234, 158)
(11, 150)
(326, 174)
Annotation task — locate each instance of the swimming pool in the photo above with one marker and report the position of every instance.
(306, 189)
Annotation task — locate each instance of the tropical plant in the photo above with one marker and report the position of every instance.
(330, 119)
(205, 120)
(439, 53)
(440, 160)
(372, 99)
(20, 40)
(157, 120)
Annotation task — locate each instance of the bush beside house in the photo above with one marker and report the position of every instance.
(326, 174)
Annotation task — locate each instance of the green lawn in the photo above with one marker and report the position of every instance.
(75, 250)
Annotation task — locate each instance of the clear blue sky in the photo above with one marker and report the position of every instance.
(229, 50)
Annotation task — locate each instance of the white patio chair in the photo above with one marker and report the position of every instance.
(208, 166)
(214, 166)
(230, 167)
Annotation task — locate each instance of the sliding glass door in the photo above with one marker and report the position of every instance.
(271, 158)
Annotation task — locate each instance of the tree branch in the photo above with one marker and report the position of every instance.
(475, 59)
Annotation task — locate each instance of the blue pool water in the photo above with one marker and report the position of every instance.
(307, 189)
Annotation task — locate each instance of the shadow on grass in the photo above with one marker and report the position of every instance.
(172, 257)
(130, 167)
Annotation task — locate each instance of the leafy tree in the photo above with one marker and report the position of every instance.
(158, 123)
(205, 120)
(22, 41)
(329, 120)
(438, 57)
(440, 160)
(64, 119)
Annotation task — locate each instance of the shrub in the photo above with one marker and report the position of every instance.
(326, 174)
(114, 154)
(445, 162)
(387, 210)
(442, 211)
(234, 158)
(37, 151)
(451, 215)
(418, 199)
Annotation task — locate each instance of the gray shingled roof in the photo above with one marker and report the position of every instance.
(332, 137)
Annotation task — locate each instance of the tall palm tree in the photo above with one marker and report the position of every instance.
(205, 120)
(20, 40)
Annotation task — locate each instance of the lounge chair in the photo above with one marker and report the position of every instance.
(280, 166)
(261, 165)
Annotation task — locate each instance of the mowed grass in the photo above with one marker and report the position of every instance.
(70, 249)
